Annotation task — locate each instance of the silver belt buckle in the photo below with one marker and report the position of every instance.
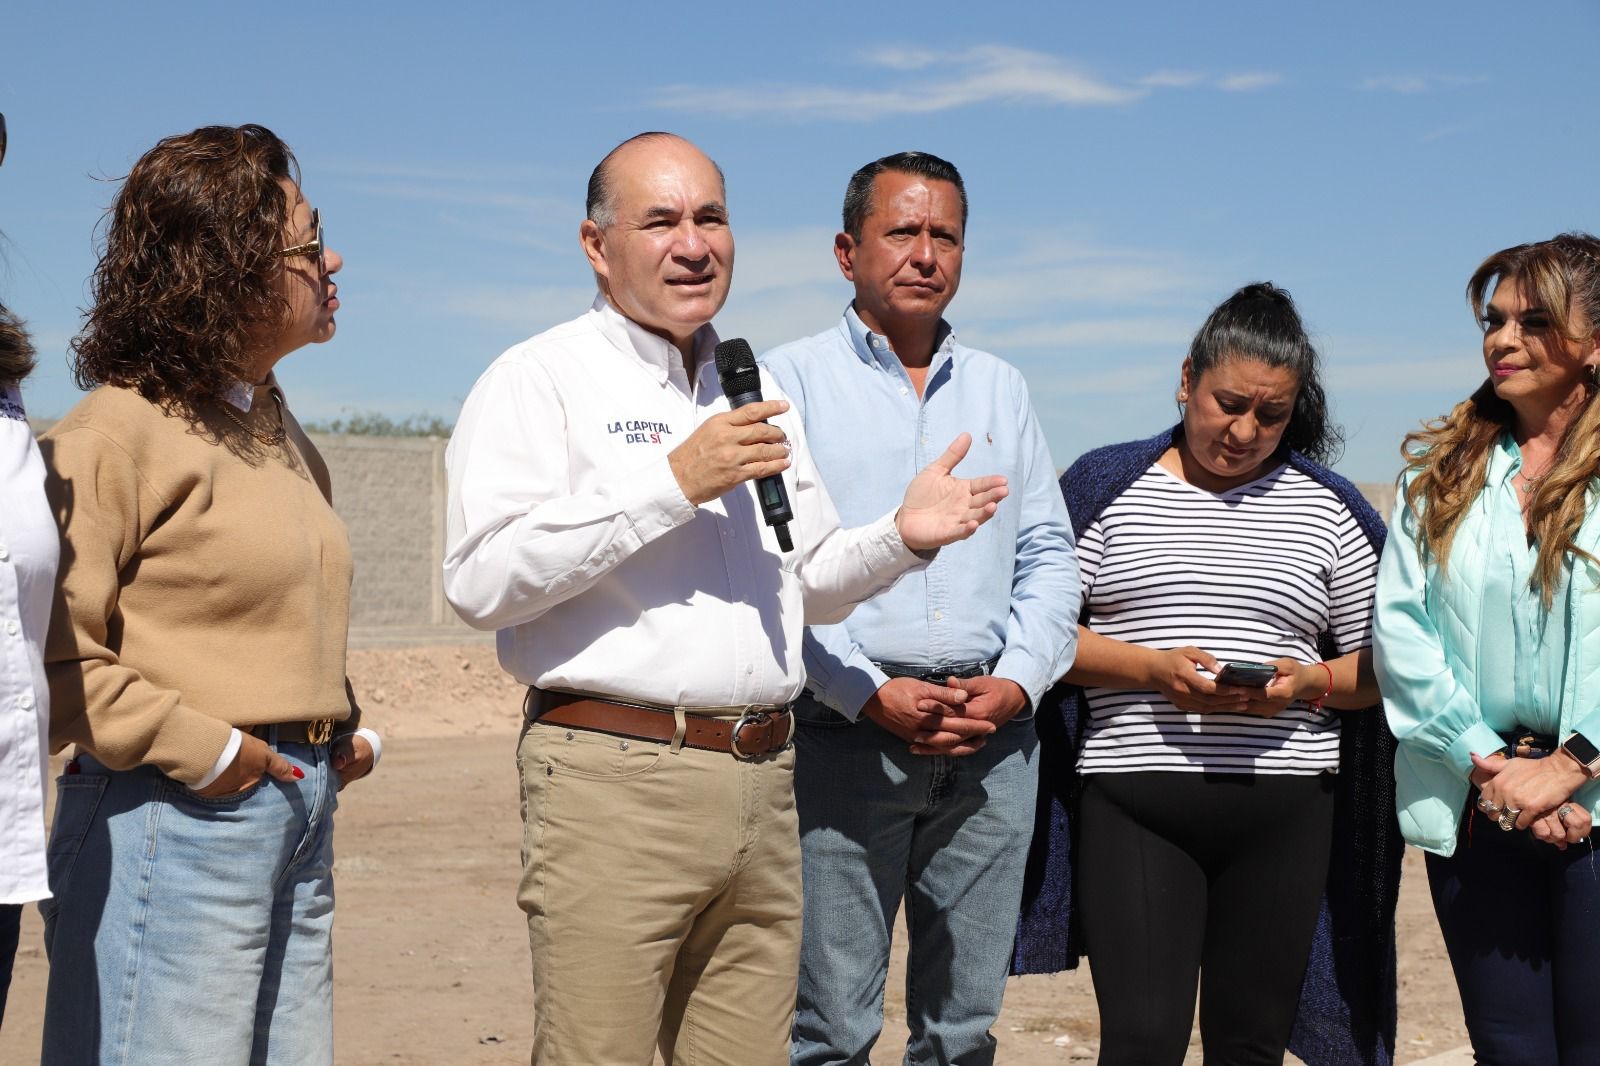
(756, 718)
(745, 719)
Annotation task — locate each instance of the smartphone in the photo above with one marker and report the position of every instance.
(1250, 675)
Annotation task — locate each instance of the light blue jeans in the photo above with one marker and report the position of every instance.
(185, 930)
(951, 836)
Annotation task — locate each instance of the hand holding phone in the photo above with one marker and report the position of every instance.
(1246, 675)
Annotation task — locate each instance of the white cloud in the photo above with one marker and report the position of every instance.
(1173, 79)
(1248, 82)
(977, 75)
(897, 57)
(1417, 83)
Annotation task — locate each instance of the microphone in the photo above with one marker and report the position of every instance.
(741, 383)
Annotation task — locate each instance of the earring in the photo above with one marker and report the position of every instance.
(1591, 372)
(1183, 395)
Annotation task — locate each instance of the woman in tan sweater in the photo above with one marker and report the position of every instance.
(196, 653)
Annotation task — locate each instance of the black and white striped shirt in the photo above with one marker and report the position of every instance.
(1254, 573)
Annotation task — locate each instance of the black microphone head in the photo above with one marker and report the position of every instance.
(736, 368)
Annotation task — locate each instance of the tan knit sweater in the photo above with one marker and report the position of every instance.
(202, 586)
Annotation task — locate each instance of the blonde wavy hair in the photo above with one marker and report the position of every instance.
(1449, 456)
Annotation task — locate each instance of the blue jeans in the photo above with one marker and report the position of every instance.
(949, 834)
(1521, 922)
(188, 930)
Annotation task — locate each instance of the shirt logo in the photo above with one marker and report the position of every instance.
(11, 404)
(637, 432)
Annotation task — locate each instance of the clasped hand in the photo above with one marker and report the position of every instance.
(1537, 789)
(952, 719)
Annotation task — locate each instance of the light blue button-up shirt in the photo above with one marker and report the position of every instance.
(1011, 590)
(1539, 674)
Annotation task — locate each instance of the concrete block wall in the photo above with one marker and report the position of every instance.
(390, 491)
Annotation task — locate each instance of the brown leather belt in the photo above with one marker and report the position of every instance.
(759, 731)
(317, 731)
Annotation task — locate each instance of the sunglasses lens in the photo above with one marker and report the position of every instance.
(322, 251)
(2, 138)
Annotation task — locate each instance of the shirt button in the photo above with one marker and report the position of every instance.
(750, 668)
(11, 629)
(5, 553)
(25, 701)
(904, 390)
(938, 616)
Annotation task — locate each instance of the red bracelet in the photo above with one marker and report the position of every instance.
(1316, 704)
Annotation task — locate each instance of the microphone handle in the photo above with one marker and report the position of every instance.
(770, 493)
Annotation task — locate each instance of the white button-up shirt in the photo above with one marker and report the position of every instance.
(29, 550)
(567, 531)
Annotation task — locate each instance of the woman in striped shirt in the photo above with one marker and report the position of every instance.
(1208, 808)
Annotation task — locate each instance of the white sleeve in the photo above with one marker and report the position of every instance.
(518, 541)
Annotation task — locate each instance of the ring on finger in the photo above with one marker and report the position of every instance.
(1488, 806)
(1507, 820)
(1564, 810)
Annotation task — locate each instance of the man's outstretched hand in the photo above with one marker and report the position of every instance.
(940, 508)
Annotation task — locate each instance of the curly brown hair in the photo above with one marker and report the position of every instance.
(186, 282)
(1449, 457)
(16, 350)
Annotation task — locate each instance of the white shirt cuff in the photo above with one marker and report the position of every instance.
(375, 740)
(230, 751)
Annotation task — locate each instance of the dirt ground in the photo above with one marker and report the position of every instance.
(431, 956)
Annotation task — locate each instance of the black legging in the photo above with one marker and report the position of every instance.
(1209, 879)
(10, 926)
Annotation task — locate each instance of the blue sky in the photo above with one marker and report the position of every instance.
(1129, 164)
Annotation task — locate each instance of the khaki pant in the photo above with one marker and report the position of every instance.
(663, 898)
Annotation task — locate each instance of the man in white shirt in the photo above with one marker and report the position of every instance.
(598, 520)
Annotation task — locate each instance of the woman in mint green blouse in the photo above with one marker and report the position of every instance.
(1487, 646)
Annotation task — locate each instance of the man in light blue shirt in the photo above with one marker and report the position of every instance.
(916, 775)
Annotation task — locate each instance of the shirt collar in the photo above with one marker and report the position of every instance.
(873, 348)
(1505, 460)
(656, 354)
(242, 395)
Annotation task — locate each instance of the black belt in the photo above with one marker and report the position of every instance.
(1526, 744)
(936, 674)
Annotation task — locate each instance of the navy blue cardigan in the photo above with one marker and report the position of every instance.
(1347, 1003)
